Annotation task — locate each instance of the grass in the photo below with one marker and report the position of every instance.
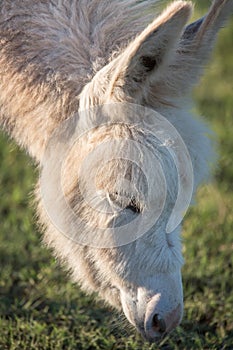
(41, 309)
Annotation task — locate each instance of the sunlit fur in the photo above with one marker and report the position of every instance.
(60, 57)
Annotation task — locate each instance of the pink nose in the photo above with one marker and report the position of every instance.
(158, 322)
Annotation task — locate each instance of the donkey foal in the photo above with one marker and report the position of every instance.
(100, 99)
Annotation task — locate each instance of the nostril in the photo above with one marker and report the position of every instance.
(155, 327)
(159, 320)
(158, 324)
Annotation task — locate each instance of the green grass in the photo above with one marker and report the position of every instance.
(41, 309)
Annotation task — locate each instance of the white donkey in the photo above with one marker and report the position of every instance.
(98, 71)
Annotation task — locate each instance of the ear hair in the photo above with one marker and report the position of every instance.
(191, 55)
(147, 54)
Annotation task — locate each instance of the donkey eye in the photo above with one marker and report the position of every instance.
(133, 206)
(124, 202)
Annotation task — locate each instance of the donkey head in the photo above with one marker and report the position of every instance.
(120, 177)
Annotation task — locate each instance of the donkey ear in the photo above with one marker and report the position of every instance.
(147, 54)
(192, 54)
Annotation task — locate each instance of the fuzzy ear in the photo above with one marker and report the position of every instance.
(147, 54)
(191, 55)
(201, 34)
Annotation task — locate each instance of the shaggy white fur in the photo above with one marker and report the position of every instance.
(68, 66)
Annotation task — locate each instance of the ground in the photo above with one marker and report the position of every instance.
(41, 309)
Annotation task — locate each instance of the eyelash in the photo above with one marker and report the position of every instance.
(132, 204)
